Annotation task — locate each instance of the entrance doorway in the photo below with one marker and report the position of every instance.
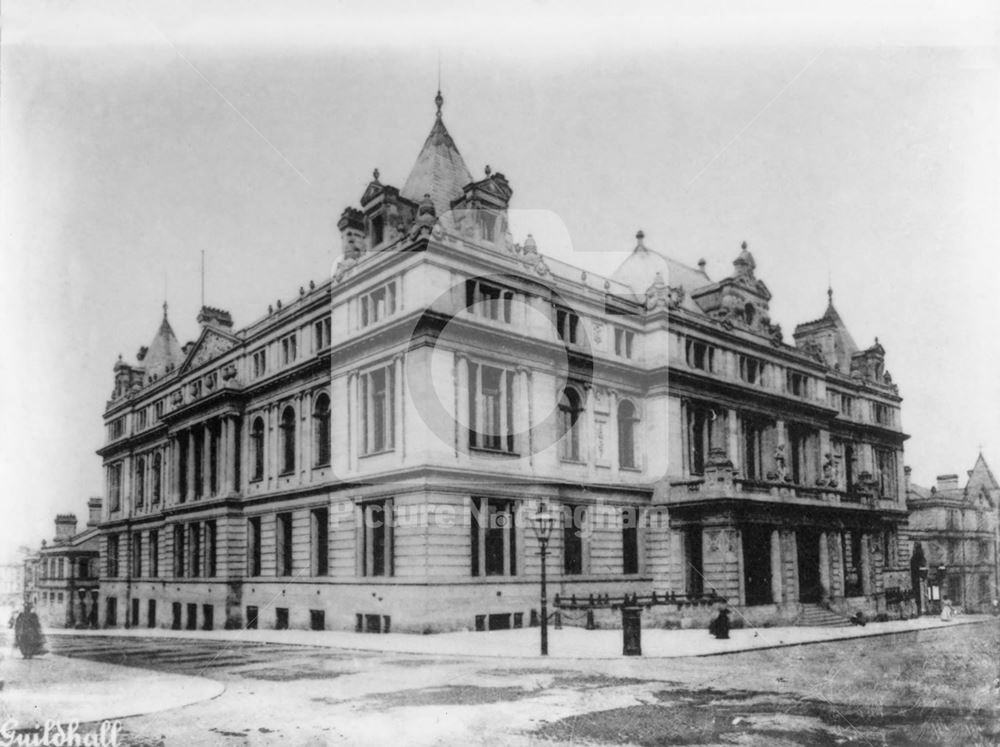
(810, 586)
(757, 564)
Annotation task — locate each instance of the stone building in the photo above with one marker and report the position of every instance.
(65, 588)
(956, 528)
(368, 454)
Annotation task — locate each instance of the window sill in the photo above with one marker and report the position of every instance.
(493, 452)
(376, 453)
(577, 462)
(252, 480)
(623, 468)
(324, 465)
(286, 473)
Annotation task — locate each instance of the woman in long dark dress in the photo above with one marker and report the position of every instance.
(28, 633)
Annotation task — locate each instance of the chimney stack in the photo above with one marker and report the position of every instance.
(94, 507)
(65, 526)
(947, 482)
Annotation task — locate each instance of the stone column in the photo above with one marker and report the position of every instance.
(613, 456)
(522, 414)
(189, 476)
(207, 439)
(399, 406)
(824, 564)
(733, 440)
(230, 454)
(776, 575)
(462, 415)
(866, 565)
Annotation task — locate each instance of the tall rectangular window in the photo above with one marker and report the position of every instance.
(378, 396)
(885, 467)
(803, 453)
(488, 301)
(321, 333)
(115, 486)
(194, 549)
(320, 542)
(283, 544)
(758, 444)
(704, 430)
(376, 538)
(751, 369)
(211, 549)
(253, 546)
(259, 361)
(494, 537)
(630, 540)
(136, 555)
(378, 304)
(113, 555)
(491, 408)
(624, 340)
(699, 355)
(796, 383)
(694, 576)
(179, 554)
(154, 553)
(289, 349)
(567, 326)
(882, 415)
(573, 527)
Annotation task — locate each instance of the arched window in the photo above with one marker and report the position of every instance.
(570, 407)
(626, 433)
(157, 476)
(321, 430)
(288, 440)
(140, 481)
(257, 448)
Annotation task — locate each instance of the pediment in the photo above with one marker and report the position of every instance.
(211, 344)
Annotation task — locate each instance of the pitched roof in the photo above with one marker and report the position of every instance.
(845, 347)
(980, 476)
(639, 270)
(439, 171)
(164, 352)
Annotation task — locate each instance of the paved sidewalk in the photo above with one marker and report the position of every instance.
(568, 643)
(62, 690)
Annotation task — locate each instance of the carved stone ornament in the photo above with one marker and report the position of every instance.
(541, 268)
(597, 332)
(177, 398)
(229, 372)
(661, 295)
(713, 541)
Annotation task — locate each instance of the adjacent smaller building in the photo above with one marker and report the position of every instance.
(65, 578)
(957, 530)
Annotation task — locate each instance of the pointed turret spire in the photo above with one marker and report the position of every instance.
(439, 170)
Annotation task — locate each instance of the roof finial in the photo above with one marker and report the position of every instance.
(743, 246)
(639, 236)
(375, 175)
(829, 294)
(439, 100)
(164, 309)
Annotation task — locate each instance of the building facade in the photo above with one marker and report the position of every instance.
(956, 528)
(368, 454)
(65, 589)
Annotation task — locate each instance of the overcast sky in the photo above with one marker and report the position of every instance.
(856, 147)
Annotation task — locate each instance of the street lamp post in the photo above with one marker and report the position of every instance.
(542, 522)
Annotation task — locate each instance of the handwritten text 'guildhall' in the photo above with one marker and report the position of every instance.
(368, 455)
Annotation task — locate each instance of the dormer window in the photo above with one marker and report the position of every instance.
(488, 224)
(378, 230)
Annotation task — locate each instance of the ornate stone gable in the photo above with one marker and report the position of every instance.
(210, 345)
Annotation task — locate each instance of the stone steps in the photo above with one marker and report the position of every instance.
(813, 615)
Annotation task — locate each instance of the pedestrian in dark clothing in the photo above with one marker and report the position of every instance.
(719, 626)
(28, 633)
